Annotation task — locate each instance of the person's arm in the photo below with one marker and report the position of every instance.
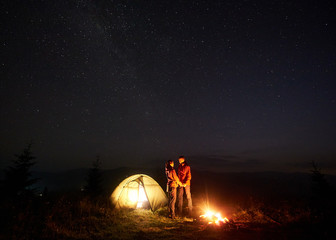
(188, 174)
(175, 177)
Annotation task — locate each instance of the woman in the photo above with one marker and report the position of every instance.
(172, 183)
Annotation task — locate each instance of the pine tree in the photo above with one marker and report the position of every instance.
(93, 187)
(18, 180)
(323, 201)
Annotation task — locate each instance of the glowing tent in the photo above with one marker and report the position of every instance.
(139, 191)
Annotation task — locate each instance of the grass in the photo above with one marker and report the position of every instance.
(79, 218)
(88, 220)
(76, 218)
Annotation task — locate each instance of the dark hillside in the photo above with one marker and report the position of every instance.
(230, 186)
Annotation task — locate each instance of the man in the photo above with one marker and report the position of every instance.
(184, 175)
(172, 183)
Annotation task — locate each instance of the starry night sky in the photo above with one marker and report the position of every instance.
(232, 85)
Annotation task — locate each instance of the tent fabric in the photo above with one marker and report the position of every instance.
(126, 193)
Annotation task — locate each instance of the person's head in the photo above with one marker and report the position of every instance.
(181, 159)
(170, 163)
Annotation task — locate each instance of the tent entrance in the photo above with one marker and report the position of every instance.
(142, 198)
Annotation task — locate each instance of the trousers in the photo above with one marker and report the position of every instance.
(180, 193)
(171, 200)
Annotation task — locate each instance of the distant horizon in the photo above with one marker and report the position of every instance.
(214, 163)
(36, 168)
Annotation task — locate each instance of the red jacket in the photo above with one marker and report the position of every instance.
(184, 173)
(172, 179)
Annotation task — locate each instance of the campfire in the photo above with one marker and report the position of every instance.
(214, 218)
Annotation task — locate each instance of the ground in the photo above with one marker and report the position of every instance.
(80, 218)
(143, 224)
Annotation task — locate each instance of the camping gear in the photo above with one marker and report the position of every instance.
(139, 191)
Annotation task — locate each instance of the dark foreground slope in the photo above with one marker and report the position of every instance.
(266, 205)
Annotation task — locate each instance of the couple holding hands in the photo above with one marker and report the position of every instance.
(177, 184)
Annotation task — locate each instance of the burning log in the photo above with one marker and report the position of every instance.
(214, 218)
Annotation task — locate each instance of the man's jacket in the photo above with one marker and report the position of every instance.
(184, 173)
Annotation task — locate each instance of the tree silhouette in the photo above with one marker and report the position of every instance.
(18, 180)
(321, 189)
(323, 201)
(93, 187)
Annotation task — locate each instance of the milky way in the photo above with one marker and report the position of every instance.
(233, 85)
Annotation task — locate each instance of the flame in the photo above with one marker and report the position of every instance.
(214, 218)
